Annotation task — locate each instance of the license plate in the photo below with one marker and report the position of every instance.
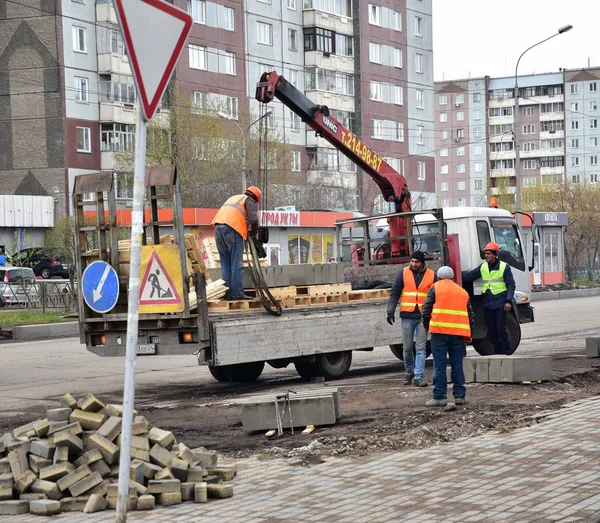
(148, 348)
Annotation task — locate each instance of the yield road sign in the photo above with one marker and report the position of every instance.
(100, 286)
(155, 33)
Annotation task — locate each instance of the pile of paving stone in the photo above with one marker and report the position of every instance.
(69, 461)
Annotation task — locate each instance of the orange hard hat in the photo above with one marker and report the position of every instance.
(492, 246)
(255, 191)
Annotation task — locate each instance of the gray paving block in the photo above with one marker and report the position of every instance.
(592, 347)
(44, 507)
(13, 507)
(306, 410)
(482, 370)
(516, 369)
(469, 370)
(495, 369)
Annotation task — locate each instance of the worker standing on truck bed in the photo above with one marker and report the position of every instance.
(410, 287)
(237, 216)
(498, 290)
(448, 315)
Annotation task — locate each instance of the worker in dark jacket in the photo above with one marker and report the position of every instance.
(497, 290)
(410, 288)
(237, 216)
(448, 315)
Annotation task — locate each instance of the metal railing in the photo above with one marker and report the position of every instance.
(42, 296)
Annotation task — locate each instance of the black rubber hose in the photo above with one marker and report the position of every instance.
(270, 304)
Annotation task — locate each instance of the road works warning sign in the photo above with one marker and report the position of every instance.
(161, 286)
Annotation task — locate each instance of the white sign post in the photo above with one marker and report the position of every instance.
(154, 33)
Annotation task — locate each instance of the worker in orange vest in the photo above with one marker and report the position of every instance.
(448, 316)
(410, 288)
(237, 216)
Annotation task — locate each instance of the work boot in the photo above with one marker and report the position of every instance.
(460, 401)
(420, 382)
(436, 403)
(408, 379)
(242, 297)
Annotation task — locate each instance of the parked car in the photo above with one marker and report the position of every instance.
(18, 286)
(43, 262)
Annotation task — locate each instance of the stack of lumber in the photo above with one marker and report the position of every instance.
(212, 254)
(69, 462)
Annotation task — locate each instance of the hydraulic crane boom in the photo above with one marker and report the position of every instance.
(391, 183)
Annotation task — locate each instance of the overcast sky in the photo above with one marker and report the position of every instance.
(473, 38)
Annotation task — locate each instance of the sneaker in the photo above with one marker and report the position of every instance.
(460, 401)
(436, 403)
(408, 379)
(420, 382)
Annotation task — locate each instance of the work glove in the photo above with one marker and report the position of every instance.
(391, 318)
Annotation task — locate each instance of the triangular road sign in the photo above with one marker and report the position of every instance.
(155, 33)
(157, 287)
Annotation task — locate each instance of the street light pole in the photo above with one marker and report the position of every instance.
(244, 145)
(562, 30)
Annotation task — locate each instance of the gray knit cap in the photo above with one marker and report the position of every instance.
(445, 273)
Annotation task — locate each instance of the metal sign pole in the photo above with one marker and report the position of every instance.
(137, 230)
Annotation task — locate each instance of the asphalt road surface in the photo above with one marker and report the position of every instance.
(33, 372)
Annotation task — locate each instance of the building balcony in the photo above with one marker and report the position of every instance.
(344, 64)
(331, 178)
(501, 173)
(546, 117)
(506, 102)
(503, 155)
(113, 63)
(550, 135)
(500, 120)
(331, 100)
(546, 99)
(118, 113)
(105, 13)
(504, 190)
(544, 171)
(556, 151)
(339, 24)
(312, 140)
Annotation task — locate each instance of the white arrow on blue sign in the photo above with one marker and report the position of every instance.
(100, 286)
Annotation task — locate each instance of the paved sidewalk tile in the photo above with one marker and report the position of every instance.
(546, 473)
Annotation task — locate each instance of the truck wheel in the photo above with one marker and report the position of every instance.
(333, 365)
(397, 350)
(485, 347)
(239, 372)
(306, 369)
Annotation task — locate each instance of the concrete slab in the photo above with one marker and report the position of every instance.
(592, 347)
(306, 410)
(45, 331)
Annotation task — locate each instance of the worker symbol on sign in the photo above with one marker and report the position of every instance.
(157, 286)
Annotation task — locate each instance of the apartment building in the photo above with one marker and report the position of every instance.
(460, 142)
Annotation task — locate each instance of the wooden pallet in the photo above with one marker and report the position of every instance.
(219, 307)
(367, 295)
(330, 288)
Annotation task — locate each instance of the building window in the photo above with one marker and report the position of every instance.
(477, 114)
(419, 95)
(478, 185)
(197, 8)
(478, 167)
(574, 125)
(398, 58)
(527, 111)
(377, 129)
(228, 18)
(398, 95)
(399, 132)
(462, 202)
(443, 99)
(460, 98)
(461, 185)
(575, 161)
(594, 160)
(295, 159)
(376, 92)
(476, 97)
(294, 122)
(443, 117)
(478, 150)
(418, 63)
(230, 63)
(396, 21)
(265, 33)
(574, 89)
(528, 165)
(198, 57)
(594, 141)
(445, 202)
(444, 169)
(592, 105)
(444, 186)
(575, 178)
(460, 151)
(460, 168)
(592, 87)
(293, 78)
(460, 133)
(444, 151)
(330, 81)
(594, 123)
(83, 140)
(529, 129)
(317, 39)
(79, 39)
(293, 39)
(291, 4)
(420, 139)
(375, 15)
(344, 45)
(418, 26)
(575, 143)
(82, 89)
(460, 116)
(420, 171)
(594, 178)
(444, 134)
(230, 107)
(116, 137)
(574, 106)
(375, 53)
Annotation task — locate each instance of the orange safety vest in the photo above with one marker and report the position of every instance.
(411, 296)
(450, 313)
(233, 213)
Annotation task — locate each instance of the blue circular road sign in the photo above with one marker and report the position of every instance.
(100, 286)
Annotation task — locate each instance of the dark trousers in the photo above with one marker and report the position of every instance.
(496, 325)
(444, 347)
(231, 250)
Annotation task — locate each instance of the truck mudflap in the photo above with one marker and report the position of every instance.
(299, 332)
(524, 313)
